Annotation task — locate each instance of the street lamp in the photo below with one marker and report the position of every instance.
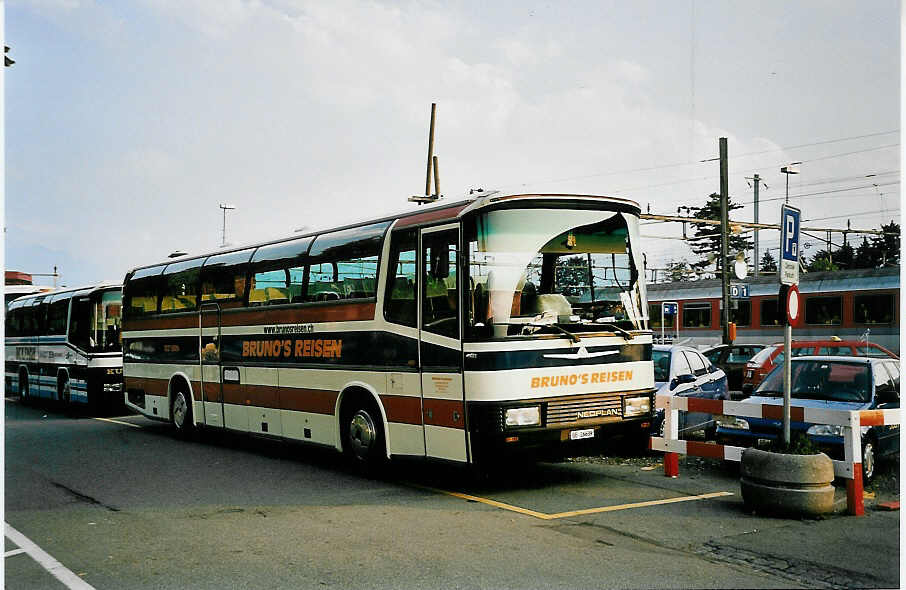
(789, 169)
(225, 207)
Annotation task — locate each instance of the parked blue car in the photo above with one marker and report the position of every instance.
(683, 371)
(828, 382)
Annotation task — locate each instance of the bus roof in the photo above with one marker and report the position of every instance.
(425, 216)
(56, 292)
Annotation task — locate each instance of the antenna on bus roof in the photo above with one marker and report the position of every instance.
(432, 162)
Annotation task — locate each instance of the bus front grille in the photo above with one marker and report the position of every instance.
(574, 409)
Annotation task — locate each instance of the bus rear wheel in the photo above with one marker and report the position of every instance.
(363, 437)
(23, 386)
(181, 413)
(64, 389)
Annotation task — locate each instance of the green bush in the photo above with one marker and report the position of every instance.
(800, 444)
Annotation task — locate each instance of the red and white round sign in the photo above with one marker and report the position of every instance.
(792, 305)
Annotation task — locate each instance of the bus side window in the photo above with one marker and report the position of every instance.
(399, 297)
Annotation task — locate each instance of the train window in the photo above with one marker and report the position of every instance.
(770, 316)
(654, 312)
(697, 315)
(741, 312)
(873, 309)
(825, 311)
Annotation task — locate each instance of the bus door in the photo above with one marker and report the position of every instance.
(440, 345)
(209, 338)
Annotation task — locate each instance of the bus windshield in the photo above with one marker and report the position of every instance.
(95, 322)
(535, 268)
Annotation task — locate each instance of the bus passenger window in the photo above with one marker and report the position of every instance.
(399, 299)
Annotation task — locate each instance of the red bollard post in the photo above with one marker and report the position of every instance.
(855, 503)
(671, 464)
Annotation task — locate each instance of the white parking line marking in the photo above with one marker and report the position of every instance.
(14, 552)
(12, 400)
(44, 559)
(119, 422)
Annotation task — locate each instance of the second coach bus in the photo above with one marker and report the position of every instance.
(65, 346)
(457, 332)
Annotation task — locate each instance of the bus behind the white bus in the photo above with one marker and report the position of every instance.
(459, 332)
(65, 346)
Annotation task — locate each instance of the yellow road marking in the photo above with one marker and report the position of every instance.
(544, 516)
(118, 422)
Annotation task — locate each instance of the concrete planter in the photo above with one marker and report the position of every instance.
(787, 485)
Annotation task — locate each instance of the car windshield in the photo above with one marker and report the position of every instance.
(529, 268)
(822, 380)
(661, 360)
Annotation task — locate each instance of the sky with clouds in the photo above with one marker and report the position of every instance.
(127, 123)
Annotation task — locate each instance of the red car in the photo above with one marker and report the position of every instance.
(762, 363)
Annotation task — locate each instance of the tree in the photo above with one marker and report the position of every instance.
(768, 264)
(679, 271)
(822, 261)
(866, 255)
(887, 247)
(708, 235)
(845, 256)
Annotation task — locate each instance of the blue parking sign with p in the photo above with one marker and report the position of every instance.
(790, 232)
(789, 245)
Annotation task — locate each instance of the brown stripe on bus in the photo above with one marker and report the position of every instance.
(149, 386)
(403, 409)
(342, 312)
(444, 412)
(430, 216)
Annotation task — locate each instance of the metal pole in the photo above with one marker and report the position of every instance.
(724, 229)
(430, 151)
(223, 232)
(787, 199)
(787, 338)
(756, 261)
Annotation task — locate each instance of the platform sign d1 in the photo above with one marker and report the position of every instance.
(789, 245)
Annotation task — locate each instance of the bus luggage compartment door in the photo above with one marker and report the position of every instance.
(209, 338)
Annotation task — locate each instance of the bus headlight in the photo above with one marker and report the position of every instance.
(825, 430)
(637, 406)
(524, 416)
(732, 422)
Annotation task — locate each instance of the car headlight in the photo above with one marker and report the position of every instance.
(825, 430)
(523, 416)
(637, 406)
(732, 422)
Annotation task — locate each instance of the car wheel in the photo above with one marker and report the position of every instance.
(868, 461)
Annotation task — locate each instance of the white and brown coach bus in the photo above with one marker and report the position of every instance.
(455, 332)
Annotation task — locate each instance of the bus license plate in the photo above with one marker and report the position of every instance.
(580, 434)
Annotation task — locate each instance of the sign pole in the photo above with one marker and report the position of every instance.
(787, 338)
(789, 295)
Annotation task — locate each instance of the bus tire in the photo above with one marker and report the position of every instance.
(64, 389)
(363, 434)
(181, 412)
(23, 385)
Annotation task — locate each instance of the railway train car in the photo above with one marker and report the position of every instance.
(861, 304)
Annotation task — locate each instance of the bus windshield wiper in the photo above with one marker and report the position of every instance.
(615, 328)
(566, 333)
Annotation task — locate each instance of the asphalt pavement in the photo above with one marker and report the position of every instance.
(121, 502)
